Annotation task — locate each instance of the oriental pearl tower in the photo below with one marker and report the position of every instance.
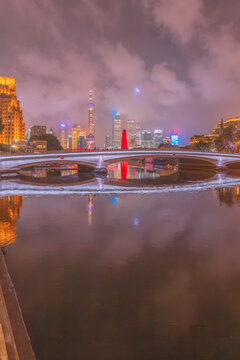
(90, 137)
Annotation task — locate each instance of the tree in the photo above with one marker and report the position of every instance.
(1, 125)
(225, 141)
(52, 141)
(4, 148)
(203, 145)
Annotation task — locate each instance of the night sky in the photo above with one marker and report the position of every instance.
(183, 55)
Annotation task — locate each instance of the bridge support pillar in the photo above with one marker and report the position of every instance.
(220, 164)
(101, 166)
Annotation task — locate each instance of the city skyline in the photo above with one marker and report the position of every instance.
(162, 69)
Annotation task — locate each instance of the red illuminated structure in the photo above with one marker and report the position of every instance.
(124, 145)
(124, 169)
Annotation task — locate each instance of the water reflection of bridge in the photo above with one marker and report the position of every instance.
(98, 186)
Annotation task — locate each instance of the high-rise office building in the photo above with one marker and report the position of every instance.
(63, 135)
(116, 130)
(77, 131)
(138, 135)
(91, 132)
(82, 143)
(107, 143)
(131, 133)
(10, 112)
(147, 139)
(70, 142)
(157, 138)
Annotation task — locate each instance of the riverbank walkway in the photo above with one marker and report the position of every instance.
(14, 340)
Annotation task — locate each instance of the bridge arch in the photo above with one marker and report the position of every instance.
(233, 164)
(82, 163)
(174, 156)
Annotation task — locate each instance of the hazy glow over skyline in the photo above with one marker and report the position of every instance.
(182, 55)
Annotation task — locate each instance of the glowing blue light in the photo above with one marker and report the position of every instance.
(114, 200)
(136, 222)
(114, 113)
(137, 90)
(62, 125)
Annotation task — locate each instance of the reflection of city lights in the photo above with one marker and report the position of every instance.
(237, 190)
(100, 183)
(90, 209)
(9, 212)
(124, 169)
(136, 222)
(114, 200)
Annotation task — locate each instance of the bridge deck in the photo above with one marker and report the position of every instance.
(97, 158)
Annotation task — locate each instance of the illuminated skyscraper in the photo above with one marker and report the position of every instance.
(91, 133)
(157, 138)
(107, 143)
(116, 130)
(63, 135)
(77, 132)
(74, 137)
(10, 112)
(147, 139)
(82, 144)
(138, 135)
(131, 133)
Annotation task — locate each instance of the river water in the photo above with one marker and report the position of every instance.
(143, 276)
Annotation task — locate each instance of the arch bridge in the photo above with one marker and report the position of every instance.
(95, 160)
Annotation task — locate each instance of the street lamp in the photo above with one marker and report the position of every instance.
(12, 146)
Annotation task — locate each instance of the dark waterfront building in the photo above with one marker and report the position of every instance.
(81, 143)
(107, 143)
(38, 130)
